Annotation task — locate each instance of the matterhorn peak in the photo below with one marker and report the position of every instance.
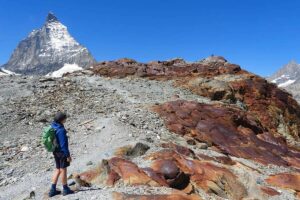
(48, 49)
(51, 17)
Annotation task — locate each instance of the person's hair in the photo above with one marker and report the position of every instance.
(60, 116)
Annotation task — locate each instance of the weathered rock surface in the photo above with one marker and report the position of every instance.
(221, 80)
(130, 173)
(174, 170)
(163, 69)
(230, 130)
(205, 175)
(285, 180)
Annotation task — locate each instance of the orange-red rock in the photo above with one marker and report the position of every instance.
(130, 173)
(212, 178)
(101, 174)
(205, 175)
(270, 191)
(87, 176)
(272, 106)
(297, 195)
(174, 177)
(156, 176)
(220, 159)
(112, 178)
(179, 149)
(285, 180)
(231, 130)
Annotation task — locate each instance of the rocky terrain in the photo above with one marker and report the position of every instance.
(158, 130)
(48, 49)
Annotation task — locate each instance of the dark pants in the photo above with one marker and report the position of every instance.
(60, 160)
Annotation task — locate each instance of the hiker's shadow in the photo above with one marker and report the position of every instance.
(85, 189)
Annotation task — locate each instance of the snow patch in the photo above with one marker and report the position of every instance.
(9, 72)
(288, 82)
(67, 68)
(279, 78)
(4, 72)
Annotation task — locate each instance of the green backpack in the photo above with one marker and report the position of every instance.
(49, 139)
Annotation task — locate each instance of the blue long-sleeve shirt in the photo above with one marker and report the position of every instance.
(61, 138)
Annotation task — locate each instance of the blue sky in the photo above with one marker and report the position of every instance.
(259, 35)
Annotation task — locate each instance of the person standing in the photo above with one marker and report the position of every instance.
(61, 155)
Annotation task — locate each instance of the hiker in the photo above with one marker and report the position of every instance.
(61, 155)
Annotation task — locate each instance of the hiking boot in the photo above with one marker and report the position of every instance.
(67, 191)
(52, 193)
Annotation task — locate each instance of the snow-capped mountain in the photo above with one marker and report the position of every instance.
(48, 49)
(284, 80)
(288, 77)
(289, 74)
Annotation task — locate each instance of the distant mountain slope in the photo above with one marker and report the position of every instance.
(288, 77)
(48, 49)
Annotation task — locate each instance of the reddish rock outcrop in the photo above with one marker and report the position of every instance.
(203, 174)
(218, 79)
(99, 175)
(276, 110)
(231, 130)
(285, 180)
(164, 69)
(169, 168)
